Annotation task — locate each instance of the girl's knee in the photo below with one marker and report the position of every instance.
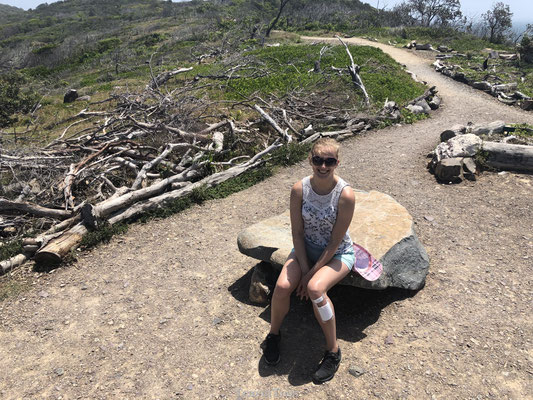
(315, 289)
(283, 288)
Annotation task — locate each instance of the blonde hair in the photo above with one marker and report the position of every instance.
(326, 143)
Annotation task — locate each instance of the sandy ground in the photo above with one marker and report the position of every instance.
(161, 312)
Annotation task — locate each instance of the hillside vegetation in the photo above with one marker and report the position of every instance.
(173, 94)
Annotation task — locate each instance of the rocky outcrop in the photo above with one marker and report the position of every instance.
(380, 224)
(462, 148)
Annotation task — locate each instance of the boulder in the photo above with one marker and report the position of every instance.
(425, 46)
(260, 284)
(454, 131)
(435, 102)
(505, 87)
(491, 128)
(527, 105)
(469, 168)
(424, 104)
(380, 224)
(483, 85)
(70, 96)
(415, 109)
(449, 170)
(460, 146)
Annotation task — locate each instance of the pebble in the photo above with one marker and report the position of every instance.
(356, 370)
(388, 340)
(430, 219)
(44, 294)
(59, 371)
(217, 321)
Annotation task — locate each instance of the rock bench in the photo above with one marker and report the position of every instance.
(380, 224)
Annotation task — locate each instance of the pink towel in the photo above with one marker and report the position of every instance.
(365, 264)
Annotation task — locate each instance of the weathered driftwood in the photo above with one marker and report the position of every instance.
(56, 249)
(354, 72)
(209, 181)
(506, 156)
(274, 124)
(33, 209)
(165, 76)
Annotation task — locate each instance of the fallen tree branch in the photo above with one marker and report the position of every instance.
(273, 123)
(33, 209)
(7, 265)
(354, 72)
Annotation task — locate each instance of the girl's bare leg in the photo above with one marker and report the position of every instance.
(287, 282)
(323, 280)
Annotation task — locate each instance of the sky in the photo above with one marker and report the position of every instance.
(522, 9)
(26, 4)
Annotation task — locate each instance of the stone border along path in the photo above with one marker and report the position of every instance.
(162, 311)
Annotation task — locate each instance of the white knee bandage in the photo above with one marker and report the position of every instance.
(325, 312)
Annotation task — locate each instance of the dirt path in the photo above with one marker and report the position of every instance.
(162, 312)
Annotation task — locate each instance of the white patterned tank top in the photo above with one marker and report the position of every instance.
(319, 213)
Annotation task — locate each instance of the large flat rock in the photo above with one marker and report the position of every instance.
(380, 224)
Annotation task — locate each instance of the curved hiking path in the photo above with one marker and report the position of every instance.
(162, 311)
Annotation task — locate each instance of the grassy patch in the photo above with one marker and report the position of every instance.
(10, 287)
(10, 249)
(289, 67)
(103, 234)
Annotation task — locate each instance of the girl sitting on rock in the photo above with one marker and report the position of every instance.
(321, 209)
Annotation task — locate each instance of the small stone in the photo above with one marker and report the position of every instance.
(388, 340)
(356, 370)
(44, 294)
(217, 321)
(84, 287)
(430, 219)
(189, 387)
(59, 371)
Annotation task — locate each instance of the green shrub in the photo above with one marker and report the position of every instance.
(13, 99)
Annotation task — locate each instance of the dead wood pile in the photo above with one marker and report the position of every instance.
(144, 150)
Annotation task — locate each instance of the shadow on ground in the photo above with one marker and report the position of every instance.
(302, 344)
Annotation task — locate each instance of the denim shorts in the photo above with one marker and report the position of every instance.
(314, 252)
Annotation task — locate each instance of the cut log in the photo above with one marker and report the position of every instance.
(514, 157)
(54, 252)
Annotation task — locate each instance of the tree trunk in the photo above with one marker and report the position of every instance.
(505, 156)
(57, 249)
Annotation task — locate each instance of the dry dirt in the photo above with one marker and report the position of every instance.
(162, 312)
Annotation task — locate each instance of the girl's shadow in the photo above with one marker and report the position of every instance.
(302, 339)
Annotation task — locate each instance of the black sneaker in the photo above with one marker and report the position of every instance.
(271, 348)
(327, 367)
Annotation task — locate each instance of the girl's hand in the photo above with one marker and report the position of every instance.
(301, 291)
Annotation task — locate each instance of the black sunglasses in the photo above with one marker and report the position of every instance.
(318, 161)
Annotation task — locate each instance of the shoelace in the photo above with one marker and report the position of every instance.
(330, 360)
